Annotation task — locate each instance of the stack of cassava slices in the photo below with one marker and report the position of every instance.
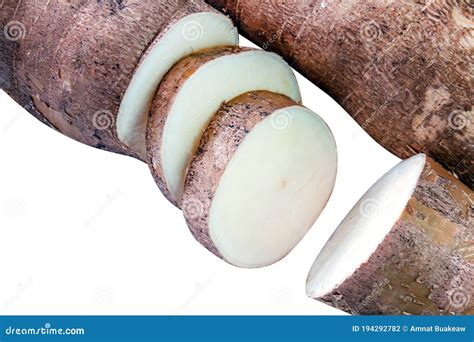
(228, 141)
(222, 127)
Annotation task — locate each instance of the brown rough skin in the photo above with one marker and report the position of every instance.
(425, 264)
(401, 68)
(168, 89)
(70, 62)
(226, 131)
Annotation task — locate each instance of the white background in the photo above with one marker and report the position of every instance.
(83, 231)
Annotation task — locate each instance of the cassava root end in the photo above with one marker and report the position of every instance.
(72, 63)
(405, 248)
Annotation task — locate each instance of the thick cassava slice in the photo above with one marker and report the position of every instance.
(192, 91)
(407, 247)
(76, 65)
(263, 172)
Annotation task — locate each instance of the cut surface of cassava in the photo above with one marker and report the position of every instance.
(405, 248)
(193, 32)
(402, 69)
(189, 95)
(263, 172)
(70, 63)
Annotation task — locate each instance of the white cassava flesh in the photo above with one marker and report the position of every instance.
(257, 202)
(194, 32)
(228, 74)
(364, 228)
(405, 248)
(273, 189)
(216, 82)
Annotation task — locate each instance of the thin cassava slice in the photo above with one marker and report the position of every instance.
(91, 68)
(189, 95)
(262, 174)
(194, 31)
(407, 247)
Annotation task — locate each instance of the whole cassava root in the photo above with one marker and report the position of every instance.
(407, 247)
(402, 69)
(189, 95)
(70, 63)
(262, 174)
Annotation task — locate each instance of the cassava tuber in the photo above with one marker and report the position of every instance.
(402, 69)
(91, 68)
(407, 247)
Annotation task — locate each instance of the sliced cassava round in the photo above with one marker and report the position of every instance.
(402, 69)
(189, 95)
(262, 174)
(91, 68)
(407, 247)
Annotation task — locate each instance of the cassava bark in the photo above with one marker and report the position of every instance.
(69, 62)
(425, 264)
(402, 69)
